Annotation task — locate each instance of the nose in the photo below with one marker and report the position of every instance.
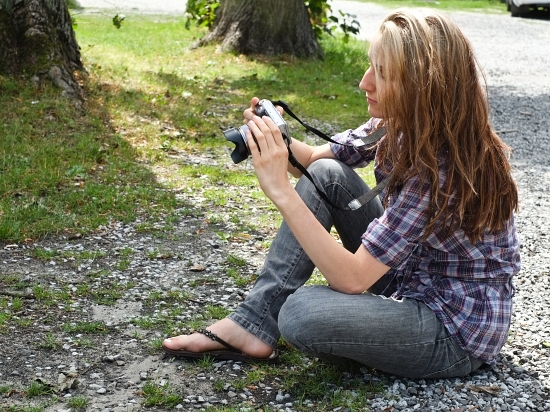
(368, 83)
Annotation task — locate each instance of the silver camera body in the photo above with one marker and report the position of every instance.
(238, 136)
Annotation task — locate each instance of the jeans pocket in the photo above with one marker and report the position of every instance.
(448, 361)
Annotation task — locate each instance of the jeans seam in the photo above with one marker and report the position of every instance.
(454, 365)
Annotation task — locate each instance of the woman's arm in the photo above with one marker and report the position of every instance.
(345, 271)
(306, 154)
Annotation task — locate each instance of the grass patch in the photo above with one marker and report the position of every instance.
(38, 389)
(160, 395)
(93, 327)
(78, 403)
(50, 342)
(151, 100)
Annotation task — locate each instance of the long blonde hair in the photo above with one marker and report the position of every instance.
(438, 110)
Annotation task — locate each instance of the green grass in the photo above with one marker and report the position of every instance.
(50, 342)
(38, 389)
(78, 403)
(156, 395)
(93, 327)
(150, 97)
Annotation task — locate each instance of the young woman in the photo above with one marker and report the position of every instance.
(421, 285)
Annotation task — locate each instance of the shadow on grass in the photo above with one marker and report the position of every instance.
(67, 171)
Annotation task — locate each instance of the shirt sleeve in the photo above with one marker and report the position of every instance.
(351, 155)
(395, 235)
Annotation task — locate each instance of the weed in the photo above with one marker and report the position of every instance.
(85, 327)
(156, 344)
(50, 342)
(108, 295)
(38, 389)
(145, 322)
(78, 402)
(126, 251)
(157, 395)
(16, 304)
(219, 385)
(123, 264)
(206, 362)
(239, 280)
(84, 343)
(236, 260)
(44, 254)
(332, 384)
(216, 312)
(29, 408)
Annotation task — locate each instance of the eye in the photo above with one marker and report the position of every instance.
(380, 71)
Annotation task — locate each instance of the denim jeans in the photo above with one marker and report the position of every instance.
(401, 337)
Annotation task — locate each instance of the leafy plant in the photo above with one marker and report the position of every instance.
(201, 11)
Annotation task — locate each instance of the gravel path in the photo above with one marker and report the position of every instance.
(112, 368)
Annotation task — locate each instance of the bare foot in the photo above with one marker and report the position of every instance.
(227, 330)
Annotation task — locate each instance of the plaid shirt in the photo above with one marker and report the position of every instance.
(468, 286)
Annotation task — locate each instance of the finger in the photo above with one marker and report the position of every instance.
(253, 102)
(249, 113)
(252, 144)
(274, 129)
(257, 134)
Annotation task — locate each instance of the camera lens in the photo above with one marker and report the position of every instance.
(238, 137)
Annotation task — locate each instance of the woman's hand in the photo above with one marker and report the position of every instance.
(249, 113)
(270, 156)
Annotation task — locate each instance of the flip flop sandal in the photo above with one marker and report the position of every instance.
(231, 353)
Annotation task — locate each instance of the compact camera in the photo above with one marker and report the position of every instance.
(238, 136)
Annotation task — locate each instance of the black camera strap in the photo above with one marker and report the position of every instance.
(364, 141)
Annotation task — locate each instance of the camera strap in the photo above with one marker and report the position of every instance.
(364, 141)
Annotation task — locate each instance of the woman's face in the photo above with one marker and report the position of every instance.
(369, 86)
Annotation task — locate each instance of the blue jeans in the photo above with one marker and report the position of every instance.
(401, 337)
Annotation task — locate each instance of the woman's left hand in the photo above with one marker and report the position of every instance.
(270, 156)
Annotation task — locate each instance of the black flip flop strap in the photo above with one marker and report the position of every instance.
(215, 338)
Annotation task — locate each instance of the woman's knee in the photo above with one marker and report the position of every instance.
(328, 170)
(298, 320)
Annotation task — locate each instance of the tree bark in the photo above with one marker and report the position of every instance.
(37, 39)
(264, 27)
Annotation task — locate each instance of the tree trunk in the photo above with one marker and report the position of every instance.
(37, 39)
(264, 27)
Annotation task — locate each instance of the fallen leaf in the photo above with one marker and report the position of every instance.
(491, 390)
(67, 381)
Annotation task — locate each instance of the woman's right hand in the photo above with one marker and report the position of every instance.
(249, 113)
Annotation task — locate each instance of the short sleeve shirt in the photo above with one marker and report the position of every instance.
(468, 286)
